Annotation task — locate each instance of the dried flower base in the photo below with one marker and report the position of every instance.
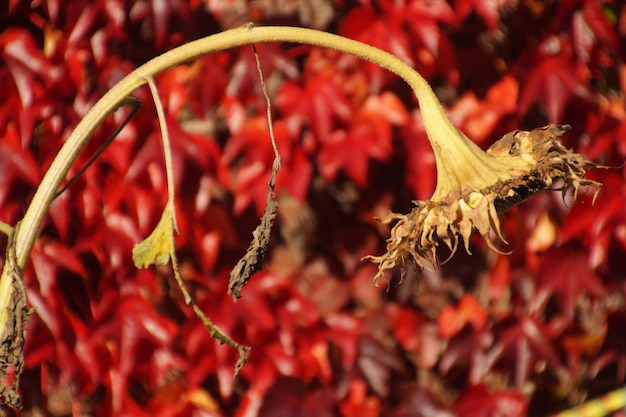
(415, 236)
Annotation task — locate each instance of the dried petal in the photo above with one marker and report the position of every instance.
(524, 163)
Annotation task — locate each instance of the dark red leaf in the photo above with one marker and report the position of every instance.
(470, 348)
(451, 320)
(358, 404)
(553, 79)
(291, 397)
(489, 12)
(566, 274)
(478, 402)
(525, 342)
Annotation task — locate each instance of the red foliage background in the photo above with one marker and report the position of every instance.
(533, 332)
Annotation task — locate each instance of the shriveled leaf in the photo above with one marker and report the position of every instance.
(252, 261)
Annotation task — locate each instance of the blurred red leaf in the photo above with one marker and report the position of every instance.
(566, 274)
(607, 129)
(407, 326)
(596, 229)
(369, 137)
(365, 24)
(25, 62)
(251, 151)
(499, 278)
(377, 362)
(358, 403)
(320, 104)
(613, 350)
(451, 320)
(478, 402)
(159, 15)
(477, 117)
(553, 78)
(470, 348)
(490, 12)
(420, 172)
(415, 400)
(291, 397)
(16, 166)
(590, 28)
(423, 18)
(527, 342)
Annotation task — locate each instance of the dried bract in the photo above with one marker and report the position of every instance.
(518, 166)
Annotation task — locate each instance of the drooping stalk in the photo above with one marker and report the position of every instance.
(444, 136)
(469, 181)
(23, 237)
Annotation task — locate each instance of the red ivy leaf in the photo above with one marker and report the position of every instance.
(478, 402)
(15, 165)
(423, 19)
(358, 404)
(554, 79)
(489, 11)
(527, 342)
(321, 103)
(451, 320)
(591, 28)
(366, 25)
(369, 136)
(566, 274)
(479, 118)
(470, 348)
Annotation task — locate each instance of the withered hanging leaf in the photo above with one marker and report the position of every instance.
(525, 163)
(158, 247)
(13, 334)
(252, 261)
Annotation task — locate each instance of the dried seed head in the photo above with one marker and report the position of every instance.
(473, 187)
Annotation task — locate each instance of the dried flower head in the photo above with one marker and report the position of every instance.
(473, 187)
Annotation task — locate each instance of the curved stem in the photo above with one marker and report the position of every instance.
(435, 120)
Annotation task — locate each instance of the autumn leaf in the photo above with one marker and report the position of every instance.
(158, 247)
(566, 274)
(452, 320)
(554, 80)
(479, 402)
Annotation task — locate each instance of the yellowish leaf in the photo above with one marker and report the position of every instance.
(157, 248)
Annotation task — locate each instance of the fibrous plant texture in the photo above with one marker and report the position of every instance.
(474, 187)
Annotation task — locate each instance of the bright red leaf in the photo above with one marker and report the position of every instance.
(452, 320)
(478, 402)
(566, 274)
(553, 80)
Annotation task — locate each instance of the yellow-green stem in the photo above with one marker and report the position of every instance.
(436, 122)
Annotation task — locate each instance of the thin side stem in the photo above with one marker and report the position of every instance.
(167, 147)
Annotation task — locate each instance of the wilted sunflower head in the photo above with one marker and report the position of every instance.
(474, 187)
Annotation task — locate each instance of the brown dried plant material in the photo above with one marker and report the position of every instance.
(474, 187)
(252, 260)
(14, 333)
